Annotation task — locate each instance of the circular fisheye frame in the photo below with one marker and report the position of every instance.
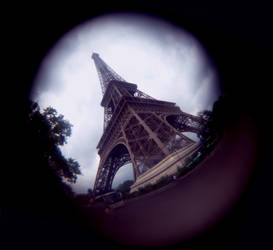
(143, 96)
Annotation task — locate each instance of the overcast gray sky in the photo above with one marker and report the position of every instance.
(165, 62)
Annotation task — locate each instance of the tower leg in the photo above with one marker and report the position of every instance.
(136, 171)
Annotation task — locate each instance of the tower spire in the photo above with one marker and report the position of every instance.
(114, 88)
(105, 72)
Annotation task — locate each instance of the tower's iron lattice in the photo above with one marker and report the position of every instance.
(138, 129)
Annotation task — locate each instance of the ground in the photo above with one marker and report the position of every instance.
(191, 204)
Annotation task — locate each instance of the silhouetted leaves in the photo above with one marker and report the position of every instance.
(60, 129)
(125, 186)
(216, 120)
(51, 131)
(205, 114)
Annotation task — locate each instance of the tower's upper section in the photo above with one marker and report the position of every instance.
(114, 89)
(106, 74)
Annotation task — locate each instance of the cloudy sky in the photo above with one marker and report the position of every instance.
(165, 62)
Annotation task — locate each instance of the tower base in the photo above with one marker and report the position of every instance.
(168, 166)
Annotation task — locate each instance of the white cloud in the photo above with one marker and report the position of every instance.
(124, 173)
(163, 60)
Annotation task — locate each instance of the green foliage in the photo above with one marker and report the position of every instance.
(147, 188)
(205, 114)
(59, 129)
(215, 121)
(164, 180)
(182, 170)
(188, 160)
(50, 131)
(133, 195)
(125, 186)
(69, 169)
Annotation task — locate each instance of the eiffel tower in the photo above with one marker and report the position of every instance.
(140, 130)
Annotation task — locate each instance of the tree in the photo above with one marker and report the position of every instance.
(51, 131)
(217, 119)
(205, 114)
(60, 129)
(125, 186)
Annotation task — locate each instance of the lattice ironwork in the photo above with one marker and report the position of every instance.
(106, 73)
(117, 158)
(186, 123)
(140, 94)
(138, 129)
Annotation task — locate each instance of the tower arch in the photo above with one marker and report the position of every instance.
(117, 157)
